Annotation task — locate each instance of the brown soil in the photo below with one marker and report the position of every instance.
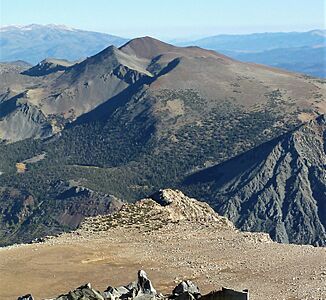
(210, 256)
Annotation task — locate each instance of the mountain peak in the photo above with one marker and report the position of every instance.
(146, 47)
(36, 26)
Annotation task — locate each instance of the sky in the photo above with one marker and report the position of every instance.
(169, 19)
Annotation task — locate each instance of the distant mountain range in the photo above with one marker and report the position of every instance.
(149, 115)
(303, 52)
(33, 43)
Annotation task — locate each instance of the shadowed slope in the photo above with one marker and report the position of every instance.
(279, 186)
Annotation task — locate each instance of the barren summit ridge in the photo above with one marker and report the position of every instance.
(162, 208)
(146, 47)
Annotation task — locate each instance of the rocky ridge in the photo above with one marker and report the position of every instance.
(162, 208)
(280, 184)
(48, 66)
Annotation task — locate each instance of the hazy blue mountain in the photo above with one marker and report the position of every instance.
(295, 51)
(33, 43)
(308, 60)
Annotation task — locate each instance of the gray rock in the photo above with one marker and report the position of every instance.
(162, 198)
(185, 296)
(186, 287)
(26, 297)
(142, 288)
(85, 292)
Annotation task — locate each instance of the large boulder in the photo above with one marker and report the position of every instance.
(84, 292)
(26, 297)
(141, 288)
(186, 290)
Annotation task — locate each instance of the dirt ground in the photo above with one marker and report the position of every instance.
(211, 257)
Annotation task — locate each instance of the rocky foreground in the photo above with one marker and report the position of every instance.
(143, 289)
(174, 238)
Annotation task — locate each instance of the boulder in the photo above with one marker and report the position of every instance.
(26, 297)
(141, 288)
(84, 292)
(185, 296)
(186, 287)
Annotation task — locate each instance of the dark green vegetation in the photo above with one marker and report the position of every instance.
(133, 120)
(126, 159)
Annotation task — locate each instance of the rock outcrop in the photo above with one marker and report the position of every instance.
(26, 297)
(164, 207)
(84, 292)
(142, 289)
(186, 290)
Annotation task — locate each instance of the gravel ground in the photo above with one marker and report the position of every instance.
(212, 254)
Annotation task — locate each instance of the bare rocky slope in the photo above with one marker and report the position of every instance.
(279, 187)
(175, 238)
(131, 120)
(158, 69)
(48, 66)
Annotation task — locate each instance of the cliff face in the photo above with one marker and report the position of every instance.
(279, 187)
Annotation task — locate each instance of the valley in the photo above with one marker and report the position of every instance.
(148, 115)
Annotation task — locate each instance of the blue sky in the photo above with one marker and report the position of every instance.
(169, 18)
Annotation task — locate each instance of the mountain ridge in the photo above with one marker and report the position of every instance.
(303, 52)
(281, 182)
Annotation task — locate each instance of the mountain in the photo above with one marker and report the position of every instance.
(279, 186)
(33, 43)
(72, 90)
(25, 217)
(306, 60)
(131, 120)
(303, 52)
(257, 42)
